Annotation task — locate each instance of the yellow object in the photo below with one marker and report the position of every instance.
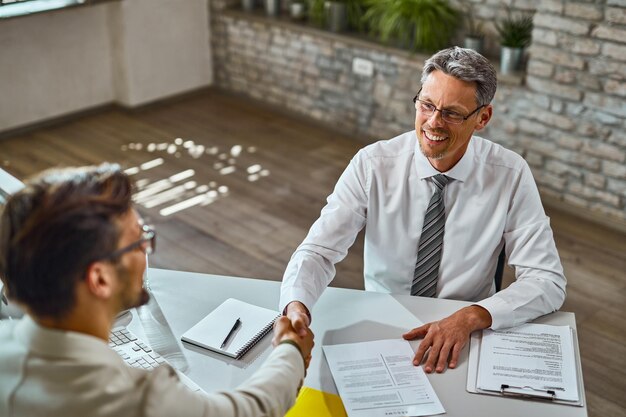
(315, 403)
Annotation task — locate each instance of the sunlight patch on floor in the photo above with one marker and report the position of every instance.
(183, 190)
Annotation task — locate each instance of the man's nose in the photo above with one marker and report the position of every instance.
(435, 119)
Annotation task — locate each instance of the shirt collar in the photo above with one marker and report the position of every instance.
(61, 344)
(460, 172)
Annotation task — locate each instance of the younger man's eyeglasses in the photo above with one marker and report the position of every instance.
(147, 243)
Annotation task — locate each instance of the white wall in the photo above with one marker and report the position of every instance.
(130, 52)
(162, 48)
(53, 64)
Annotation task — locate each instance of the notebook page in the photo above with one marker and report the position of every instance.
(211, 331)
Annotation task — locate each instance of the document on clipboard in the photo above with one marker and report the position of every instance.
(532, 361)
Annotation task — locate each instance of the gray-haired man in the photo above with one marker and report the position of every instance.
(406, 190)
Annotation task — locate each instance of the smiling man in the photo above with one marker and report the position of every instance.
(73, 255)
(438, 204)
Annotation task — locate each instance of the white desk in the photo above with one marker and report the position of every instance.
(340, 316)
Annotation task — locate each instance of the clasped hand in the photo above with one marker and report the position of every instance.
(443, 340)
(295, 327)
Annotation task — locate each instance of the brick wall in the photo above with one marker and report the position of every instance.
(311, 73)
(568, 120)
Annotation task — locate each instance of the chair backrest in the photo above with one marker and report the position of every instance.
(8, 185)
(499, 270)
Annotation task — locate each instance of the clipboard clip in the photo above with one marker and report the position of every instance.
(548, 394)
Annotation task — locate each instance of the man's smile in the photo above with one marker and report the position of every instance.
(434, 137)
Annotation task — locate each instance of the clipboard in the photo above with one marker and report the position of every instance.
(516, 392)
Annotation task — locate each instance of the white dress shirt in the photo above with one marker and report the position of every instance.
(52, 373)
(492, 201)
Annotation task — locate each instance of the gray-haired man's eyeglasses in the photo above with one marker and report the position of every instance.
(448, 116)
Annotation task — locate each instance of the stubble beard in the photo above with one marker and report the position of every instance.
(436, 156)
(426, 153)
(142, 299)
(130, 300)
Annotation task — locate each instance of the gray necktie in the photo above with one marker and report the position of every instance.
(431, 243)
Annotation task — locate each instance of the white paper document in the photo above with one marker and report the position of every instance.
(532, 359)
(378, 378)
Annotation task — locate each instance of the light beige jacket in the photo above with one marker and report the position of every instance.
(51, 373)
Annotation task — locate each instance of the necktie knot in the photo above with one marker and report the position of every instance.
(441, 181)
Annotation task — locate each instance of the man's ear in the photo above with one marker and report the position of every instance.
(483, 117)
(99, 279)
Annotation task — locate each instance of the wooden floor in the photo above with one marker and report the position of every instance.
(252, 230)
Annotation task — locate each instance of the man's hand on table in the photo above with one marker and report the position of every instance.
(445, 338)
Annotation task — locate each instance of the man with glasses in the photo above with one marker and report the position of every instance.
(72, 255)
(438, 204)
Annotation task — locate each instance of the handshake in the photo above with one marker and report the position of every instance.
(294, 329)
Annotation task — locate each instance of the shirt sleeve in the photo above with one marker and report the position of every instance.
(539, 287)
(312, 266)
(270, 391)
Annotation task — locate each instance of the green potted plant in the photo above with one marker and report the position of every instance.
(317, 13)
(515, 34)
(337, 12)
(247, 5)
(416, 24)
(297, 9)
(337, 15)
(474, 34)
(272, 7)
(355, 9)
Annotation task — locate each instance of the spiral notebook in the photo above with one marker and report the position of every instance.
(211, 331)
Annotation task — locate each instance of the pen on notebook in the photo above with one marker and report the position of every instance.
(232, 330)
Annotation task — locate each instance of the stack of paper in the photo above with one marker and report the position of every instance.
(378, 378)
(530, 360)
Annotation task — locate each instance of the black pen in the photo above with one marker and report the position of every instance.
(237, 323)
